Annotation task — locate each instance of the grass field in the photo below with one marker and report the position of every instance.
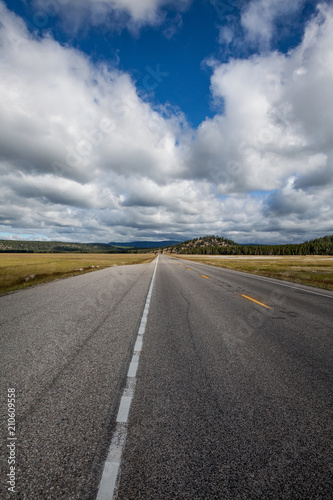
(307, 270)
(16, 269)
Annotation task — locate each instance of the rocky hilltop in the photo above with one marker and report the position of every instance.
(217, 245)
(205, 245)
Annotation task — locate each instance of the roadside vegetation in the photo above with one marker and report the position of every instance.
(22, 270)
(314, 270)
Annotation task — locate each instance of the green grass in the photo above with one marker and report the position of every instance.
(14, 268)
(307, 270)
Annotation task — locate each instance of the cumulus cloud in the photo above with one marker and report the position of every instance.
(73, 134)
(260, 16)
(114, 14)
(276, 127)
(83, 157)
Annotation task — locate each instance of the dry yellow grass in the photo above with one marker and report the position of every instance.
(15, 268)
(314, 270)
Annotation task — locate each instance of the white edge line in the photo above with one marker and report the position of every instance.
(264, 279)
(107, 486)
(287, 286)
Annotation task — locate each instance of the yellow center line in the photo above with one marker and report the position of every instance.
(203, 276)
(189, 268)
(260, 303)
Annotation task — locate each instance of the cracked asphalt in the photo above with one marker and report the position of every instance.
(233, 396)
(65, 348)
(233, 400)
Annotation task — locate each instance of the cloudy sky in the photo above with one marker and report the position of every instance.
(158, 119)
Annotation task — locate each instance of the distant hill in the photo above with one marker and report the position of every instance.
(144, 244)
(202, 245)
(206, 245)
(7, 246)
(216, 245)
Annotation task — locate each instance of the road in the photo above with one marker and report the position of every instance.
(233, 396)
(65, 348)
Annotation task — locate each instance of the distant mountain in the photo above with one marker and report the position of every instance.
(14, 246)
(144, 244)
(206, 245)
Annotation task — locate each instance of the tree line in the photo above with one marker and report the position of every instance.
(214, 245)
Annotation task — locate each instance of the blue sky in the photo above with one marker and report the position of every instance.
(158, 119)
(179, 46)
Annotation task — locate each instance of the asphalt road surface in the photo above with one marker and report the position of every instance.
(233, 396)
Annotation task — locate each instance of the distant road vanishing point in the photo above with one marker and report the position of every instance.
(228, 392)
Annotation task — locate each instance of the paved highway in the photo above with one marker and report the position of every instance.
(233, 395)
(233, 400)
(65, 348)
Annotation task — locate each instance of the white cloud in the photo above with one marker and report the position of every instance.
(73, 133)
(114, 14)
(277, 124)
(83, 158)
(260, 16)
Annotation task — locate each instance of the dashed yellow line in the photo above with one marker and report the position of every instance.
(203, 276)
(189, 269)
(253, 300)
